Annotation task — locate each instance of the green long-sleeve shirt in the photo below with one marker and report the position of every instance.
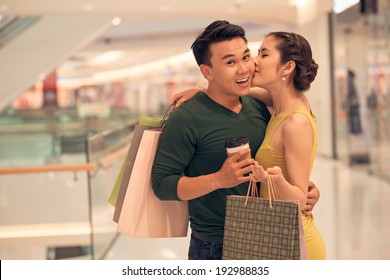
(193, 144)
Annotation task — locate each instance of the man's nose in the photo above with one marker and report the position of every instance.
(244, 66)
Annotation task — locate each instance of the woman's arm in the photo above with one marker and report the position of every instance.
(185, 95)
(297, 136)
(262, 95)
(297, 139)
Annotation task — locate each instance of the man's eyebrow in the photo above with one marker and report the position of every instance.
(230, 55)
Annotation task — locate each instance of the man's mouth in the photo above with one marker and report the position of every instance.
(242, 81)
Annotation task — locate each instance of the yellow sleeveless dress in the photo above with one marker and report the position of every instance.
(266, 156)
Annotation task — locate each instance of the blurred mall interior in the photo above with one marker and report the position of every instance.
(77, 76)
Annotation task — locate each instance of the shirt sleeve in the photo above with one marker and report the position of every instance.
(174, 154)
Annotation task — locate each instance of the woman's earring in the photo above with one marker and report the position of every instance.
(283, 78)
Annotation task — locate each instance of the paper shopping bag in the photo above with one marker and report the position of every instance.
(128, 168)
(122, 179)
(256, 229)
(119, 190)
(143, 215)
(115, 190)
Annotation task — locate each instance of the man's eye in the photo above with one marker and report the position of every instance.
(246, 58)
(230, 62)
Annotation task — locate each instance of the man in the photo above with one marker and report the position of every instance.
(191, 163)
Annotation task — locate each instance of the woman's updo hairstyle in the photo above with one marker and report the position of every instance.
(295, 47)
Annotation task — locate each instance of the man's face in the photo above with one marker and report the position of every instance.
(231, 67)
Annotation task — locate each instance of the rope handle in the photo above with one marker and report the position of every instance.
(253, 191)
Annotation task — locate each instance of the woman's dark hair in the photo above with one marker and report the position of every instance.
(295, 47)
(218, 31)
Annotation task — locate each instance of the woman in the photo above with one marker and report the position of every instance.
(284, 71)
(285, 68)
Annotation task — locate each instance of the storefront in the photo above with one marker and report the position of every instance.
(362, 84)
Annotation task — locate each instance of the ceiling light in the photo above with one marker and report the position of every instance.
(107, 57)
(88, 7)
(165, 8)
(116, 21)
(298, 3)
(340, 6)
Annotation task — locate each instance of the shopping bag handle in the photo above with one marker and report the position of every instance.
(271, 190)
(253, 192)
(166, 115)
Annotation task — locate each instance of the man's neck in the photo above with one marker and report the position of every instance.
(231, 102)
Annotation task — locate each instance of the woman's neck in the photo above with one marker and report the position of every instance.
(288, 100)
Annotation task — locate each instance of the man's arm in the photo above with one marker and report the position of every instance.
(230, 175)
(176, 150)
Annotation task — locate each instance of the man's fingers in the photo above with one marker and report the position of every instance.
(246, 162)
(236, 156)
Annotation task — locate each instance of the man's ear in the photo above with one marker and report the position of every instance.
(206, 71)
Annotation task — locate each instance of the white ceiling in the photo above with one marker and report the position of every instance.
(152, 29)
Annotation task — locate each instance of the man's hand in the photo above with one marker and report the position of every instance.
(234, 171)
(313, 196)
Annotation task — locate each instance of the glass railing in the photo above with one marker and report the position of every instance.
(44, 212)
(51, 136)
(106, 151)
(62, 210)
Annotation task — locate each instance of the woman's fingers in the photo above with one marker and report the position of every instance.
(274, 170)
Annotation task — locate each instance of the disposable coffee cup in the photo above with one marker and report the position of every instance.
(233, 145)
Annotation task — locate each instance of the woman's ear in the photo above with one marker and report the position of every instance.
(289, 67)
(206, 71)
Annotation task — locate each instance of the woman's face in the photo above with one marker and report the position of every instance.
(268, 70)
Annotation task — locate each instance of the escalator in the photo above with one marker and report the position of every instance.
(32, 46)
(12, 26)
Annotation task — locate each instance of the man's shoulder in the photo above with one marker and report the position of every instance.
(194, 106)
(186, 112)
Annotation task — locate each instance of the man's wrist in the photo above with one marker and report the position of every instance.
(213, 181)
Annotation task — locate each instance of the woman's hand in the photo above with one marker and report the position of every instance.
(184, 96)
(258, 174)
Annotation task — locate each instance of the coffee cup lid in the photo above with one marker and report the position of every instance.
(236, 141)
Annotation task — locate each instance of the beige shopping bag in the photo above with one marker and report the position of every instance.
(120, 187)
(143, 215)
(124, 175)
